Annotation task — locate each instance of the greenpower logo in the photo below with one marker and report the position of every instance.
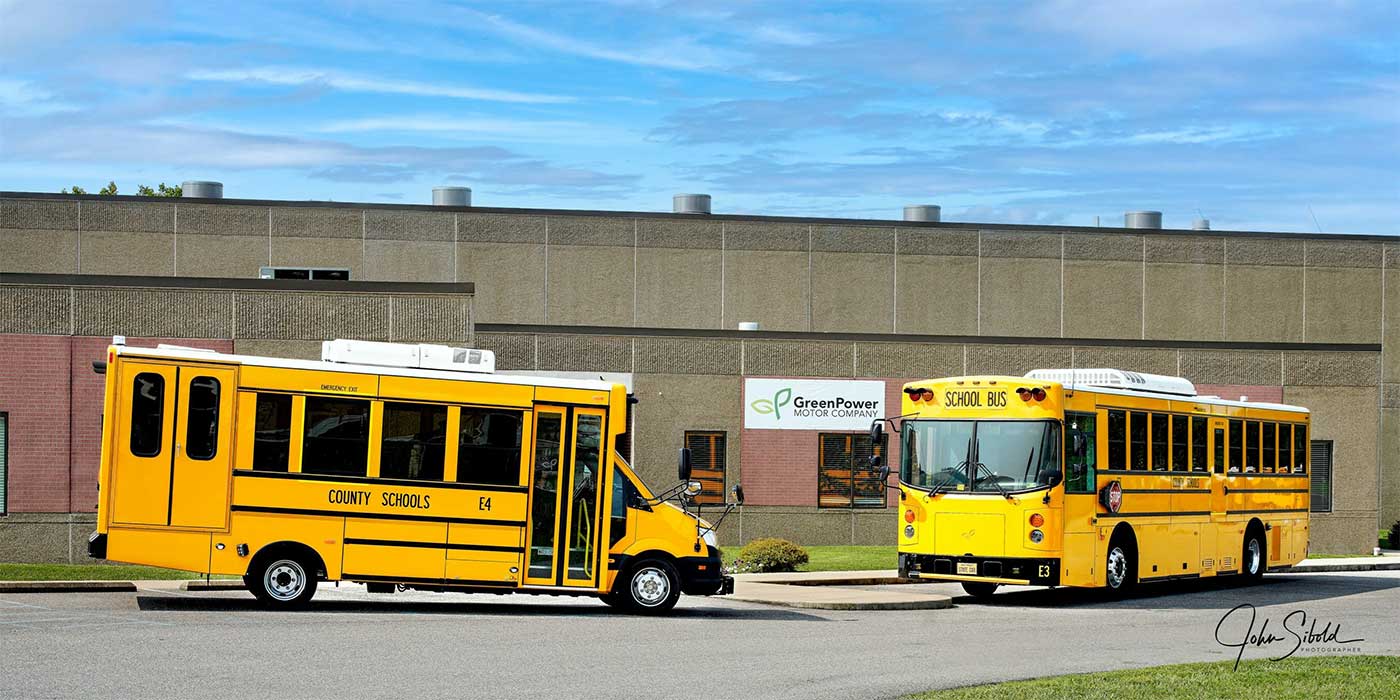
(773, 405)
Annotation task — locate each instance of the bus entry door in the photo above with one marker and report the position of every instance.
(565, 481)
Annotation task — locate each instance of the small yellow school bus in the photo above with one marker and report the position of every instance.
(389, 464)
(1095, 478)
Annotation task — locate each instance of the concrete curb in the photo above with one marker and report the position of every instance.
(213, 586)
(67, 587)
(1323, 567)
(831, 597)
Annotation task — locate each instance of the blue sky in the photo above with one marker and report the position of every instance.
(1259, 115)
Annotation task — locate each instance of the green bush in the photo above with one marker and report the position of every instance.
(769, 555)
(1393, 541)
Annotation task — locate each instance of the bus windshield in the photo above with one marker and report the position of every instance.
(981, 456)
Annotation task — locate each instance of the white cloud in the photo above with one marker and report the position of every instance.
(1181, 26)
(477, 128)
(293, 76)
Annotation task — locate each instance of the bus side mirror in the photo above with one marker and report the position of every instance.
(884, 476)
(877, 432)
(738, 492)
(683, 469)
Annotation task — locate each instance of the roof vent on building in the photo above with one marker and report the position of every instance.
(1142, 219)
(1200, 225)
(690, 204)
(202, 189)
(923, 212)
(452, 196)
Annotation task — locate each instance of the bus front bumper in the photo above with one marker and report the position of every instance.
(705, 575)
(97, 545)
(1007, 570)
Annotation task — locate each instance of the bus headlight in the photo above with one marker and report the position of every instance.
(710, 538)
(1037, 536)
(909, 531)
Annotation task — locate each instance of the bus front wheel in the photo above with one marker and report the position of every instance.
(1120, 571)
(1252, 558)
(282, 581)
(651, 587)
(979, 589)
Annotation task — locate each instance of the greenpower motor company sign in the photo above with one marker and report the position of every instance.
(812, 404)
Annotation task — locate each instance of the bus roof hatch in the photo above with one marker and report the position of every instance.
(419, 355)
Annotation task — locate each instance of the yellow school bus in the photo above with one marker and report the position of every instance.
(1095, 478)
(394, 465)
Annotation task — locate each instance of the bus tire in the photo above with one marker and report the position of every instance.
(1120, 567)
(980, 590)
(282, 580)
(650, 587)
(1252, 562)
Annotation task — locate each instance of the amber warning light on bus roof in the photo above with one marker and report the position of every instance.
(919, 394)
(1027, 394)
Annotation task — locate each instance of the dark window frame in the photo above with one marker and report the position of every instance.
(1117, 458)
(1200, 448)
(1090, 480)
(335, 468)
(1155, 462)
(708, 495)
(1268, 456)
(1236, 451)
(1314, 475)
(852, 501)
(290, 399)
(213, 426)
(1252, 442)
(422, 409)
(159, 439)
(1181, 442)
(1135, 417)
(515, 477)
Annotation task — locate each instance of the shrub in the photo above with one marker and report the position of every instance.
(771, 554)
(1393, 541)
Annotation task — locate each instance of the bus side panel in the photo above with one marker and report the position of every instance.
(171, 549)
(257, 530)
(1079, 565)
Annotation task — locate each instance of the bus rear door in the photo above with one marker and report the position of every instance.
(174, 445)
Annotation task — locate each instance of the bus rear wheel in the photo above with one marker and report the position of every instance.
(282, 581)
(650, 587)
(1252, 557)
(979, 589)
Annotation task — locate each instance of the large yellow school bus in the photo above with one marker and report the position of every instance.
(394, 465)
(1095, 478)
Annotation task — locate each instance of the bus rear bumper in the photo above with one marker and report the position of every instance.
(1008, 570)
(97, 545)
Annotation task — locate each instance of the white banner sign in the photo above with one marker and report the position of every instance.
(812, 404)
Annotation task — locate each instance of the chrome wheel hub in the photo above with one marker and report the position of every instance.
(1252, 556)
(1117, 567)
(651, 587)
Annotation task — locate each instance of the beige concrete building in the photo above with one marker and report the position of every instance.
(656, 299)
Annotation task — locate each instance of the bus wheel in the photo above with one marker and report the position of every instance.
(282, 581)
(652, 587)
(1252, 558)
(1120, 571)
(979, 589)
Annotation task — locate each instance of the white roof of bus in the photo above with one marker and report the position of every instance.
(196, 354)
(1211, 400)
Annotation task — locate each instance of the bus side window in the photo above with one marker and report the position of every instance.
(1251, 446)
(272, 433)
(488, 446)
(624, 497)
(337, 437)
(1198, 444)
(1219, 451)
(1236, 445)
(1180, 460)
(414, 442)
(1137, 439)
(1300, 449)
(147, 414)
(1159, 442)
(1117, 440)
(1270, 449)
(1081, 462)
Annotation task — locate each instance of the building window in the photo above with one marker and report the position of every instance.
(272, 433)
(147, 414)
(4, 462)
(1321, 481)
(488, 447)
(337, 437)
(414, 444)
(707, 460)
(334, 274)
(845, 478)
(202, 423)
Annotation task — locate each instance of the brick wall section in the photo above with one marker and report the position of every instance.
(1267, 394)
(780, 466)
(54, 401)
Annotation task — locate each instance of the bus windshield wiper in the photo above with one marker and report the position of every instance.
(978, 466)
(938, 488)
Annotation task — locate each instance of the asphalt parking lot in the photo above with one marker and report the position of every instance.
(179, 644)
